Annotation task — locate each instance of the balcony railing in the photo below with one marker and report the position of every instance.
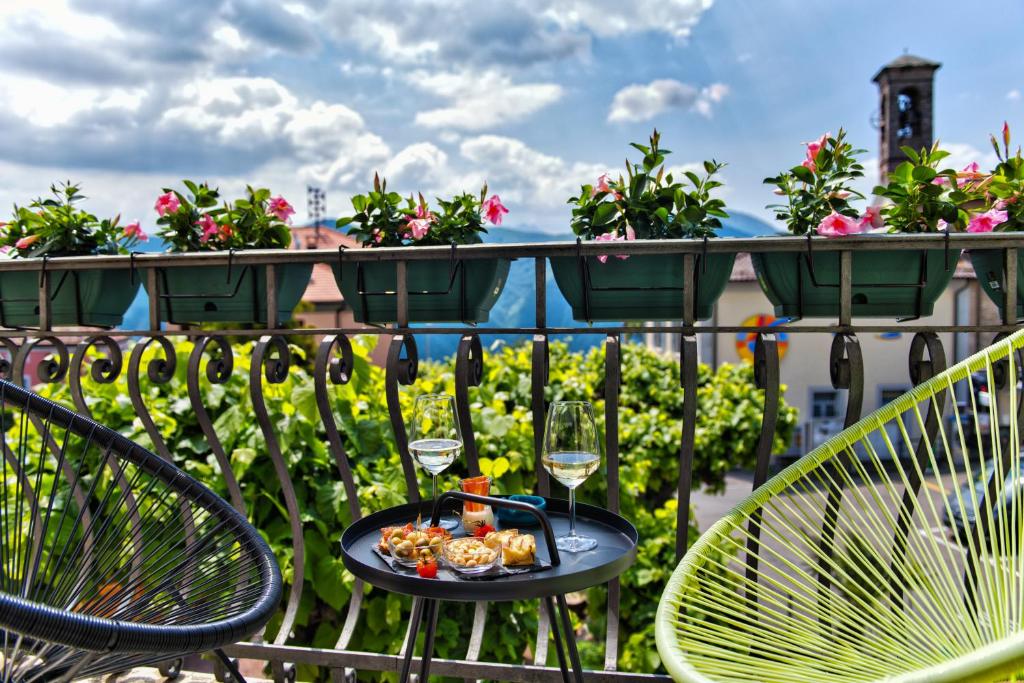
(74, 352)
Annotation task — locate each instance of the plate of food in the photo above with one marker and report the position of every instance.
(408, 545)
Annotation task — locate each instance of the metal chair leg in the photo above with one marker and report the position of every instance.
(549, 604)
(410, 641)
(570, 640)
(229, 664)
(428, 640)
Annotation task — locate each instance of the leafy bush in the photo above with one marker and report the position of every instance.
(650, 417)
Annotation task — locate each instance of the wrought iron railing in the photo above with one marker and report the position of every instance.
(73, 353)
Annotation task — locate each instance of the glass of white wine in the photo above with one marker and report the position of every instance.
(571, 453)
(436, 440)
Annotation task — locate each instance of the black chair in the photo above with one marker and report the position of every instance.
(112, 557)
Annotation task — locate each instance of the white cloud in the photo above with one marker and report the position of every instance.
(481, 100)
(639, 102)
(961, 154)
(608, 18)
(1013, 95)
(418, 164)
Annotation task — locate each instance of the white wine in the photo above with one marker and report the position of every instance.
(571, 469)
(435, 455)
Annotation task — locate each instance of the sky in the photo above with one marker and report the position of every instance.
(535, 97)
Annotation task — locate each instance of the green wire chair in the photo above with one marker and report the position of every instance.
(878, 556)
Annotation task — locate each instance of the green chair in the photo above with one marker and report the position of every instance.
(881, 555)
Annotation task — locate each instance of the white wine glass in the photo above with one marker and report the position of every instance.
(436, 440)
(571, 453)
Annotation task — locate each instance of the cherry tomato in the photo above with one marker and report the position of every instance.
(483, 530)
(428, 569)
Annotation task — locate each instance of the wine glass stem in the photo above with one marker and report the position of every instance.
(433, 494)
(572, 511)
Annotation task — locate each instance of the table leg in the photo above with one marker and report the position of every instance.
(428, 639)
(549, 604)
(410, 641)
(570, 640)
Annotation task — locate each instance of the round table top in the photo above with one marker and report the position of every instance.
(615, 552)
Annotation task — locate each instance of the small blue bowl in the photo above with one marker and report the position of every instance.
(518, 518)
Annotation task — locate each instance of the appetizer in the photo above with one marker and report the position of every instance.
(496, 539)
(519, 551)
(469, 555)
(408, 544)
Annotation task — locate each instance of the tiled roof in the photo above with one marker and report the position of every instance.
(322, 289)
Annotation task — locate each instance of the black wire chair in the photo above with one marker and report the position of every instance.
(112, 557)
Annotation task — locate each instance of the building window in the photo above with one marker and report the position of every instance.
(824, 403)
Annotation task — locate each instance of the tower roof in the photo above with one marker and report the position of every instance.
(907, 61)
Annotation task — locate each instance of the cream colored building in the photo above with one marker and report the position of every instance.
(804, 362)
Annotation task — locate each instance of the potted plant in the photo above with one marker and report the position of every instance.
(648, 203)
(898, 283)
(195, 222)
(57, 227)
(449, 290)
(1002, 211)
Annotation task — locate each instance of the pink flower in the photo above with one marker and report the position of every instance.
(809, 165)
(167, 203)
(986, 222)
(135, 230)
(26, 242)
(419, 227)
(601, 186)
(1006, 134)
(838, 225)
(208, 226)
(942, 226)
(940, 180)
(377, 236)
(606, 237)
(630, 232)
(872, 218)
(423, 212)
(493, 209)
(280, 207)
(971, 172)
(816, 146)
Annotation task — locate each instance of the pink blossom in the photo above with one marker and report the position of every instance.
(135, 230)
(940, 180)
(167, 203)
(493, 209)
(377, 236)
(815, 146)
(606, 237)
(630, 232)
(26, 242)
(838, 225)
(208, 226)
(872, 218)
(423, 212)
(809, 165)
(603, 186)
(419, 227)
(1006, 134)
(986, 222)
(971, 172)
(942, 226)
(280, 208)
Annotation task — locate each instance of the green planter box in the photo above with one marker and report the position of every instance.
(885, 283)
(988, 267)
(648, 287)
(207, 294)
(84, 297)
(439, 291)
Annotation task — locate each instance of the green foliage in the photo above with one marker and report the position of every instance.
(650, 203)
(819, 186)
(922, 196)
(1005, 187)
(650, 414)
(56, 227)
(255, 221)
(385, 219)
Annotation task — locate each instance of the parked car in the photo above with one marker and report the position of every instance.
(960, 521)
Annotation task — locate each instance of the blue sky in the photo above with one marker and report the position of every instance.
(534, 96)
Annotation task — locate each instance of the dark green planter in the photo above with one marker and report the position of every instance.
(208, 294)
(640, 287)
(988, 267)
(439, 291)
(884, 282)
(95, 298)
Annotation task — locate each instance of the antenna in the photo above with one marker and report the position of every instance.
(316, 203)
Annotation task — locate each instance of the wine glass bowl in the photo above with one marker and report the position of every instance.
(436, 439)
(571, 453)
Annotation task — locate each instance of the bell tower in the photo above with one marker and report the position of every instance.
(905, 91)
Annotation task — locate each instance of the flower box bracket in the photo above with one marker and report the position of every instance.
(846, 284)
(456, 276)
(691, 271)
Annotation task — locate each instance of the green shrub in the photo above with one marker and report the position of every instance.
(650, 418)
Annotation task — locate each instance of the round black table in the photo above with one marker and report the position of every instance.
(569, 572)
